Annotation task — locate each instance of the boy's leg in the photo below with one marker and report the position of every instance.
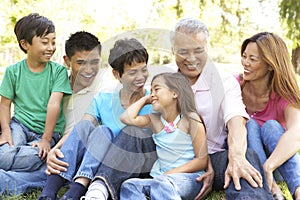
(8, 153)
(27, 157)
(131, 154)
(15, 183)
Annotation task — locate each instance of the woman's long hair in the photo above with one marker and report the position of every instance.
(272, 49)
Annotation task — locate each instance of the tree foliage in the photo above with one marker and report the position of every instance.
(290, 14)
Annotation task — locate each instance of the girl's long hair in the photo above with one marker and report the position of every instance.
(181, 86)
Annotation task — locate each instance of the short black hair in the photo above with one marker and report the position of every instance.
(81, 41)
(126, 51)
(32, 25)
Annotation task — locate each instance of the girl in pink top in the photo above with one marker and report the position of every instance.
(272, 98)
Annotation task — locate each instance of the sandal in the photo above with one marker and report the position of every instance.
(278, 196)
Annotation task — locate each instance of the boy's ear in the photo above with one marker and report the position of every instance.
(24, 44)
(67, 61)
(116, 74)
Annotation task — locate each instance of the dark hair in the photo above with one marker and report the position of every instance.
(178, 83)
(81, 41)
(32, 25)
(126, 51)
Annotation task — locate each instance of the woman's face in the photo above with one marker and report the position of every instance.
(134, 76)
(254, 67)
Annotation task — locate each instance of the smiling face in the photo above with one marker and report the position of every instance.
(84, 67)
(134, 76)
(254, 67)
(41, 49)
(190, 52)
(161, 96)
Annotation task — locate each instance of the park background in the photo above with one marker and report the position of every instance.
(150, 21)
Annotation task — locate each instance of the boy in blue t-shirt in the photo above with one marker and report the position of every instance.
(36, 87)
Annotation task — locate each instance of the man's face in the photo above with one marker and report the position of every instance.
(84, 67)
(190, 52)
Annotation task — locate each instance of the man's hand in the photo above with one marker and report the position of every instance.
(238, 168)
(207, 178)
(54, 165)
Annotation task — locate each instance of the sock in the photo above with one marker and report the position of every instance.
(53, 184)
(97, 190)
(76, 191)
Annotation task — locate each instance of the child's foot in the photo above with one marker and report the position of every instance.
(97, 191)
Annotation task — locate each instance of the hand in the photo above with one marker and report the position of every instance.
(5, 137)
(207, 178)
(44, 148)
(238, 168)
(54, 165)
(269, 175)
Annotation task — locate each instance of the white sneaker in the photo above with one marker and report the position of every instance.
(96, 191)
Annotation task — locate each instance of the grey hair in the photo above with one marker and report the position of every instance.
(190, 25)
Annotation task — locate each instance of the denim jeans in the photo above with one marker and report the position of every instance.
(264, 140)
(23, 156)
(15, 183)
(84, 149)
(131, 155)
(219, 162)
(172, 186)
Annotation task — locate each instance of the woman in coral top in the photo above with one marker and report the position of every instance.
(272, 98)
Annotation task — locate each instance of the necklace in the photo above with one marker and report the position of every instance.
(170, 127)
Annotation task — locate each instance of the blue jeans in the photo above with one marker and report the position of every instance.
(22, 157)
(133, 154)
(219, 162)
(264, 140)
(15, 183)
(84, 149)
(172, 186)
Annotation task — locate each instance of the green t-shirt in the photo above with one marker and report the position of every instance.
(30, 93)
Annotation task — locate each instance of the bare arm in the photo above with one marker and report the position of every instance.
(290, 138)
(53, 109)
(5, 136)
(197, 132)
(238, 166)
(131, 117)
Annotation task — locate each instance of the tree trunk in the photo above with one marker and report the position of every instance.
(296, 59)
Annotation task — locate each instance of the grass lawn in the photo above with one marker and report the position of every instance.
(214, 195)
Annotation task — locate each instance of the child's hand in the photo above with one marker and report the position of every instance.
(44, 148)
(147, 99)
(5, 137)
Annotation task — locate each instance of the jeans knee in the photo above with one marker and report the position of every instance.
(271, 126)
(127, 185)
(7, 155)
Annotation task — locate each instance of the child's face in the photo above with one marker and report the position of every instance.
(42, 48)
(84, 68)
(161, 96)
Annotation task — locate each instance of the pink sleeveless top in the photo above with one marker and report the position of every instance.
(274, 110)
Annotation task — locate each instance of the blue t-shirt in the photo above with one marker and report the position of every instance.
(106, 108)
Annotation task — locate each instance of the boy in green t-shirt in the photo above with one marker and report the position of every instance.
(36, 87)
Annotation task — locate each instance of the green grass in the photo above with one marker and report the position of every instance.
(213, 196)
